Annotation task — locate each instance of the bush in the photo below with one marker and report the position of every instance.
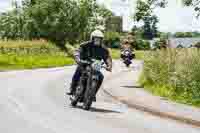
(112, 39)
(142, 45)
(70, 49)
(174, 73)
(160, 43)
(197, 45)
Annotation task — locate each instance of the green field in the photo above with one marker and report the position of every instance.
(9, 62)
(31, 54)
(39, 54)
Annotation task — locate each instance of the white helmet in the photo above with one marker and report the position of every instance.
(96, 33)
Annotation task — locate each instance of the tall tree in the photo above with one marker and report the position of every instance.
(11, 23)
(150, 27)
(144, 13)
(59, 21)
(145, 8)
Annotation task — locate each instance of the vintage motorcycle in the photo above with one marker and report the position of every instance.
(87, 87)
(127, 57)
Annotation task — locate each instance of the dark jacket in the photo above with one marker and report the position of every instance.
(89, 51)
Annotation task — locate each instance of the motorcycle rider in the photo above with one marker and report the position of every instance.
(126, 47)
(93, 49)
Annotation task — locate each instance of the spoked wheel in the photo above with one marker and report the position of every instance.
(87, 104)
(89, 96)
(87, 100)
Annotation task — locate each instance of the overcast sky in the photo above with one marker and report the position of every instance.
(173, 18)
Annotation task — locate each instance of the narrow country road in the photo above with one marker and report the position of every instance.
(34, 102)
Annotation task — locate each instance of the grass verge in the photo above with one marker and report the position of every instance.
(115, 53)
(22, 54)
(16, 62)
(174, 74)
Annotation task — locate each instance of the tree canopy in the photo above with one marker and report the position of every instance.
(193, 3)
(144, 12)
(59, 21)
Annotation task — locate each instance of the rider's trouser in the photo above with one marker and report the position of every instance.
(76, 78)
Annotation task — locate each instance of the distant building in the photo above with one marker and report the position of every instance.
(182, 42)
(114, 23)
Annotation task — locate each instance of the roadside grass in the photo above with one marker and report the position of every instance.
(115, 53)
(15, 62)
(31, 54)
(139, 54)
(174, 74)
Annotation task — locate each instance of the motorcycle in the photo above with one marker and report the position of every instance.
(87, 87)
(127, 56)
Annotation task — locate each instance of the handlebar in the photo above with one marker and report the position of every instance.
(86, 62)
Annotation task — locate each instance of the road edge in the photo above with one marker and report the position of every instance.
(168, 115)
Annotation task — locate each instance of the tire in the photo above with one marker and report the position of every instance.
(89, 96)
(87, 105)
(127, 65)
(87, 100)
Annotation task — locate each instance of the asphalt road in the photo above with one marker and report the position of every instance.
(34, 102)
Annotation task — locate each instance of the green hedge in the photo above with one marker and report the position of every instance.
(142, 44)
(112, 39)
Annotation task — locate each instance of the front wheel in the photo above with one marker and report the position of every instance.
(87, 104)
(127, 65)
(89, 95)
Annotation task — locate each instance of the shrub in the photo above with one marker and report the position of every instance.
(160, 43)
(142, 44)
(112, 39)
(197, 45)
(70, 49)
